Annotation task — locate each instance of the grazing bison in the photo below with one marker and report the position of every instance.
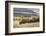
(33, 19)
(27, 19)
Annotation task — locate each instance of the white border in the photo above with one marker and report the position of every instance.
(31, 29)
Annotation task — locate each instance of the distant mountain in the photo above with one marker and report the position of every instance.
(24, 12)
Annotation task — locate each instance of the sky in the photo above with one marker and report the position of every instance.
(26, 10)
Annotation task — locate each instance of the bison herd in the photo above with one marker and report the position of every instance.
(28, 20)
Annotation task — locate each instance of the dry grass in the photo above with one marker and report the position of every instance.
(35, 24)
